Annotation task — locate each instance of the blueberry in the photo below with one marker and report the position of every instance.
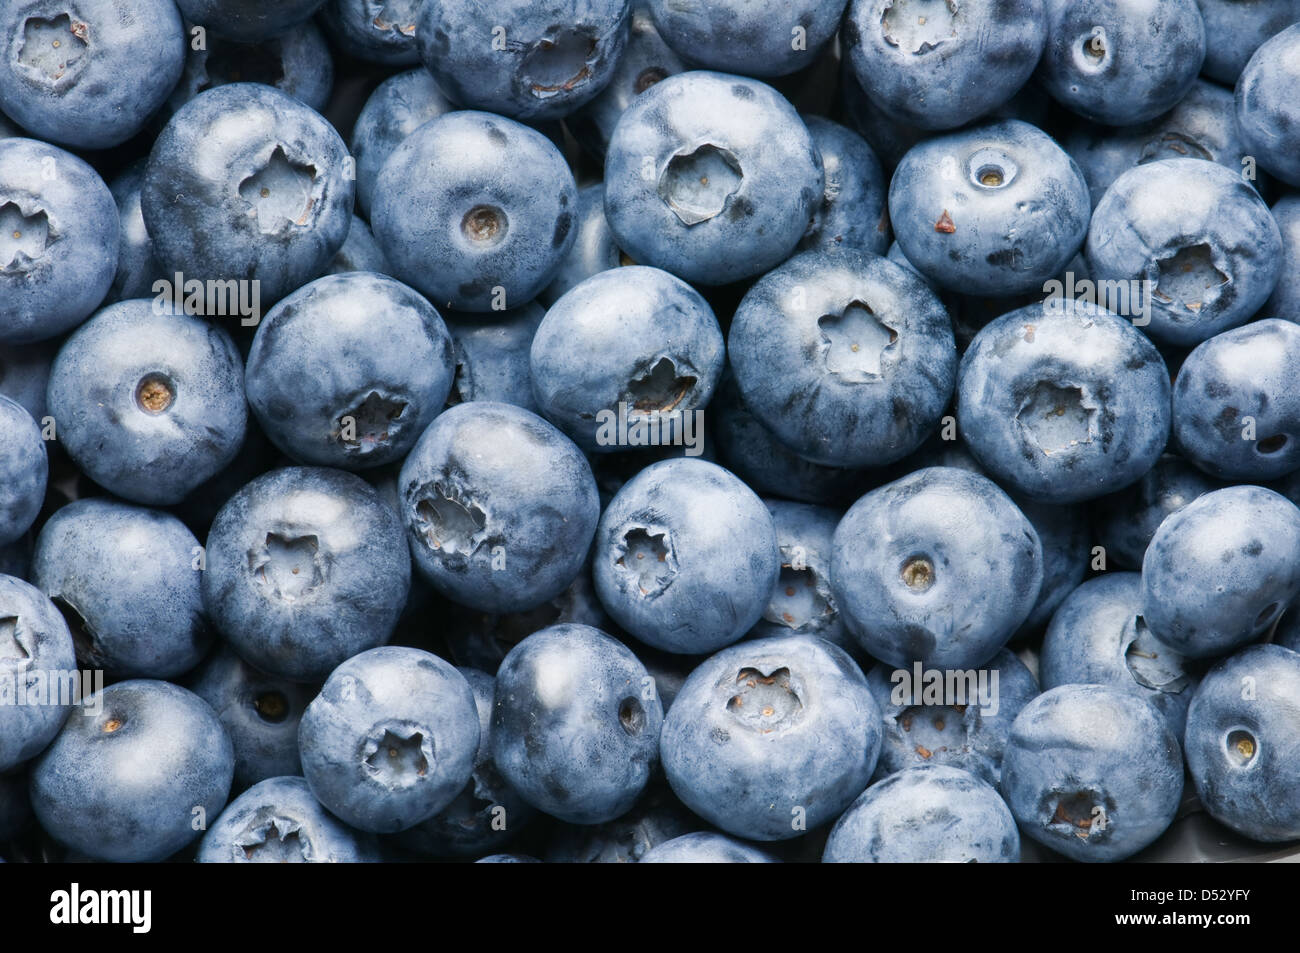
(753, 39)
(88, 77)
(656, 818)
(1285, 302)
(297, 63)
(890, 139)
(1267, 111)
(1126, 521)
(936, 65)
(1243, 747)
(924, 815)
(148, 402)
(492, 354)
(24, 470)
(36, 658)
(135, 766)
(499, 507)
(137, 266)
(801, 602)
(1202, 126)
(487, 812)
(247, 184)
(278, 821)
(1198, 237)
(575, 725)
(391, 738)
(381, 31)
(594, 248)
(1221, 570)
(852, 213)
(259, 712)
(1063, 533)
(1235, 413)
(380, 367)
(127, 579)
(475, 211)
(646, 60)
(1063, 401)
(919, 577)
(359, 252)
(712, 177)
(772, 738)
(754, 454)
(631, 349)
(705, 847)
(1092, 772)
(686, 557)
(305, 568)
(532, 61)
(248, 20)
(970, 734)
(997, 210)
(400, 105)
(846, 357)
(1099, 637)
(1121, 63)
(58, 241)
(1234, 31)
(25, 372)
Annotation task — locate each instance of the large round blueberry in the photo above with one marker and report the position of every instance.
(997, 210)
(627, 358)
(279, 821)
(925, 815)
(1221, 570)
(594, 248)
(1236, 410)
(1063, 401)
(249, 192)
(492, 355)
(349, 370)
(475, 210)
(24, 470)
(499, 506)
(1194, 243)
(1121, 63)
(382, 31)
(1268, 112)
(1243, 743)
(148, 402)
(58, 241)
(487, 812)
(127, 580)
(529, 61)
(772, 738)
(137, 266)
(260, 713)
(706, 847)
(770, 38)
(305, 568)
(939, 567)
(400, 105)
(1092, 772)
(801, 602)
(686, 557)
(575, 726)
(712, 177)
(88, 75)
(646, 60)
(36, 659)
(391, 738)
(852, 212)
(963, 723)
(937, 65)
(137, 772)
(248, 20)
(1099, 637)
(1126, 521)
(846, 357)
(1234, 31)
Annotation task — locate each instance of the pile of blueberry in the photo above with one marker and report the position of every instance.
(723, 431)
